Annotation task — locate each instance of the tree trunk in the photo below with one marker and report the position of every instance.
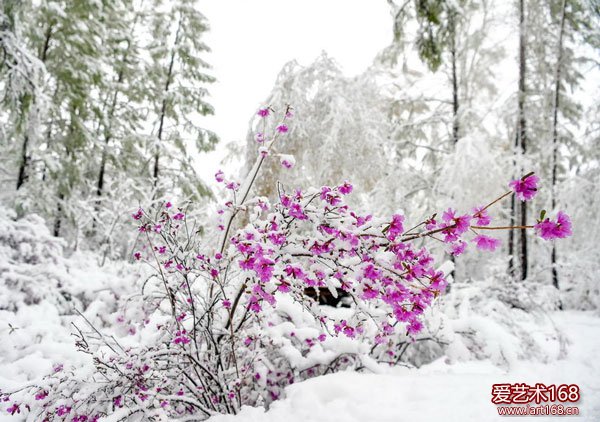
(23, 165)
(522, 133)
(22, 176)
(58, 218)
(163, 110)
(555, 131)
(455, 123)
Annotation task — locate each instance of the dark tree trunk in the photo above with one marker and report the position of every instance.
(23, 165)
(522, 133)
(22, 176)
(555, 131)
(455, 122)
(163, 111)
(107, 138)
(58, 218)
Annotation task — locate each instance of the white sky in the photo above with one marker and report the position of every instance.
(251, 40)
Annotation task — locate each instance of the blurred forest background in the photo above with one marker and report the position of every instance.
(101, 104)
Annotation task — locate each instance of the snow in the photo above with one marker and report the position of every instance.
(441, 391)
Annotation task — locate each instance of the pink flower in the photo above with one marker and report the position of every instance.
(288, 162)
(15, 408)
(226, 303)
(297, 212)
(179, 216)
(525, 189)
(481, 216)
(430, 223)
(138, 214)
(41, 395)
(329, 196)
(232, 186)
(181, 337)
(346, 188)
(486, 242)
(395, 228)
(560, 229)
(137, 256)
(264, 112)
(168, 205)
(414, 327)
(219, 176)
(62, 410)
(461, 223)
(458, 248)
(282, 128)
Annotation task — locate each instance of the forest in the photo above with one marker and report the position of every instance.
(381, 246)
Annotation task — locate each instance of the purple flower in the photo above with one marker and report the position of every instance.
(396, 227)
(346, 188)
(41, 395)
(486, 243)
(15, 408)
(181, 337)
(558, 229)
(282, 128)
(525, 189)
(62, 410)
(481, 216)
(461, 222)
(458, 248)
(264, 112)
(297, 212)
(138, 214)
(288, 162)
(220, 176)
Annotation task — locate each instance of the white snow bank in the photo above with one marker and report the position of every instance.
(41, 290)
(440, 391)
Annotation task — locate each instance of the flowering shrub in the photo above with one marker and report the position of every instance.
(230, 324)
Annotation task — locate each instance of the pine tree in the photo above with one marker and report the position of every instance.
(177, 93)
(21, 88)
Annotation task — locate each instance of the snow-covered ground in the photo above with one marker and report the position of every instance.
(440, 391)
(42, 288)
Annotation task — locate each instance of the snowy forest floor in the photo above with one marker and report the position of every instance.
(438, 391)
(42, 286)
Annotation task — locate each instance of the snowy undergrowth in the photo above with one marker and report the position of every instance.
(488, 323)
(42, 291)
(501, 321)
(461, 391)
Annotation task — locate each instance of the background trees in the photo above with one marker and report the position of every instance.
(101, 99)
(466, 92)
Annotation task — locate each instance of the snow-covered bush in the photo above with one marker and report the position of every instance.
(230, 324)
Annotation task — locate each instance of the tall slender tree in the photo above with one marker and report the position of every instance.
(177, 91)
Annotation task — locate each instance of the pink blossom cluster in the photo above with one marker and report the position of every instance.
(314, 240)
